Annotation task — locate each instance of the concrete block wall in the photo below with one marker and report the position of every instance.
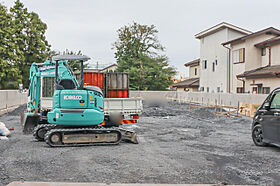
(203, 98)
(11, 98)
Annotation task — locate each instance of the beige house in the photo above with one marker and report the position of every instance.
(214, 64)
(191, 84)
(110, 68)
(254, 62)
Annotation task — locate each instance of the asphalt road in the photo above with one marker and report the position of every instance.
(177, 145)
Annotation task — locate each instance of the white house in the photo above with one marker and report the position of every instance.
(255, 61)
(214, 64)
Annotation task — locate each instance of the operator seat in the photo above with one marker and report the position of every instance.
(66, 84)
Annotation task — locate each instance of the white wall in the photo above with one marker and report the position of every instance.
(253, 57)
(236, 68)
(275, 54)
(192, 71)
(11, 98)
(265, 58)
(211, 50)
(272, 82)
(203, 98)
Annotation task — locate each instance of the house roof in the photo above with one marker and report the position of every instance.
(189, 83)
(109, 66)
(269, 42)
(269, 30)
(267, 71)
(193, 63)
(219, 27)
(99, 69)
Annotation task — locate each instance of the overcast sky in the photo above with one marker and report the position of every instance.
(91, 25)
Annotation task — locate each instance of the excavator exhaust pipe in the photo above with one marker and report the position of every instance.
(29, 122)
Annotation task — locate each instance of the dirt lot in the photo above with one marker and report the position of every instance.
(177, 145)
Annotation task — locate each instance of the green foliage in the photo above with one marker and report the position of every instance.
(22, 42)
(8, 71)
(29, 33)
(138, 53)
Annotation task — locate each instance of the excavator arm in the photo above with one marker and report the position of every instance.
(30, 118)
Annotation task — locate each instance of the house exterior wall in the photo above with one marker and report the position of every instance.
(112, 68)
(192, 71)
(212, 50)
(237, 68)
(265, 58)
(253, 57)
(272, 82)
(275, 54)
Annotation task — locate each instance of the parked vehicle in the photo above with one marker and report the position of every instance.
(266, 122)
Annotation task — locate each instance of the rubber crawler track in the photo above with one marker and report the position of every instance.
(96, 130)
(38, 127)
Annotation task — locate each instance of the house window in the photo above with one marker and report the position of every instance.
(207, 89)
(218, 89)
(202, 89)
(195, 71)
(204, 64)
(239, 90)
(239, 55)
(255, 90)
(266, 90)
(213, 67)
(263, 51)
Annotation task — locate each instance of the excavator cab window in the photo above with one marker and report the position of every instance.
(67, 84)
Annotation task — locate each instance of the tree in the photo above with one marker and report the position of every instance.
(138, 53)
(9, 74)
(29, 38)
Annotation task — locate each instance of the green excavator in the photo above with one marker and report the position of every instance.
(77, 110)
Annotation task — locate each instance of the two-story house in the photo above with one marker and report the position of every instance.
(191, 84)
(214, 64)
(255, 61)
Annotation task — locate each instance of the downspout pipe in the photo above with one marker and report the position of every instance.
(229, 62)
(269, 56)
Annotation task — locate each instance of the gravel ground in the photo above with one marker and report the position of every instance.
(177, 145)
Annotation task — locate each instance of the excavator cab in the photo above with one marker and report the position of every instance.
(73, 103)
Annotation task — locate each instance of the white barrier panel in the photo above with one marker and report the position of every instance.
(203, 98)
(11, 98)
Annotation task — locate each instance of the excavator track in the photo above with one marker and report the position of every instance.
(40, 131)
(82, 137)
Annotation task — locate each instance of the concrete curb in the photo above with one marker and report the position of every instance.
(22, 183)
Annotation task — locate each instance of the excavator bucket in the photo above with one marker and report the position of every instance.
(129, 136)
(29, 121)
